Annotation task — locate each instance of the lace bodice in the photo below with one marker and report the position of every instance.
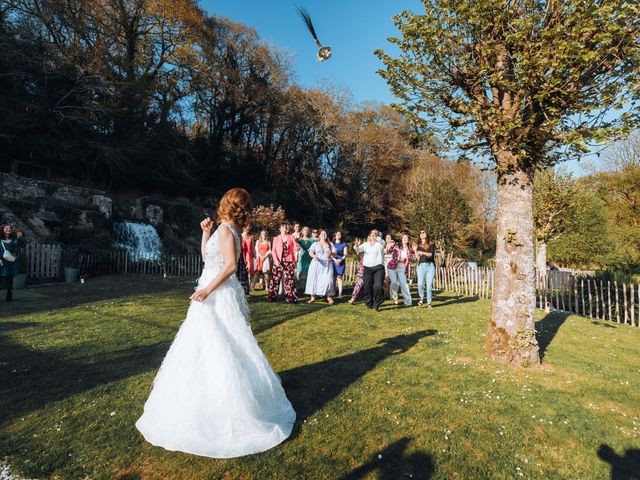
(212, 253)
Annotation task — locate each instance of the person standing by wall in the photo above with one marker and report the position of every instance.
(373, 262)
(425, 251)
(8, 257)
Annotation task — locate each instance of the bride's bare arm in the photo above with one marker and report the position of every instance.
(229, 265)
(206, 226)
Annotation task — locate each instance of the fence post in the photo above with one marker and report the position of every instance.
(624, 296)
(615, 286)
(589, 293)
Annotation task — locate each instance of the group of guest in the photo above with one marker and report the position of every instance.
(305, 260)
(387, 262)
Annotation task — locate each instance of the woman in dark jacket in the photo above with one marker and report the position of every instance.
(8, 253)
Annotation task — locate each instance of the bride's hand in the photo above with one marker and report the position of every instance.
(200, 295)
(206, 225)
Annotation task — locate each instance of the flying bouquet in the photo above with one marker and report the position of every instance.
(324, 53)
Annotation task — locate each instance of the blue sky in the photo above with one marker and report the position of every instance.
(354, 29)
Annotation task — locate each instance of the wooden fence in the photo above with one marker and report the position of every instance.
(571, 292)
(42, 260)
(46, 261)
(564, 291)
(121, 262)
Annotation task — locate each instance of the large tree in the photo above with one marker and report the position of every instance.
(516, 79)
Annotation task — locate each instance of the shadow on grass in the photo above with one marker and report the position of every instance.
(602, 324)
(30, 379)
(547, 328)
(7, 326)
(272, 314)
(68, 295)
(439, 301)
(393, 463)
(310, 387)
(623, 467)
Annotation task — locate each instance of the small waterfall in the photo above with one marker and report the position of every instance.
(141, 240)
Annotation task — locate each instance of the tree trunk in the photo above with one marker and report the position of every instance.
(511, 331)
(541, 258)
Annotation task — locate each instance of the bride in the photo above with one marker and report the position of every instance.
(215, 394)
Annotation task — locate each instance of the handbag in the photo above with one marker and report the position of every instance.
(7, 255)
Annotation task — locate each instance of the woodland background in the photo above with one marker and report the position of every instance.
(160, 97)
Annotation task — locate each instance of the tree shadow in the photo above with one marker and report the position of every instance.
(547, 328)
(310, 387)
(67, 295)
(30, 379)
(7, 326)
(623, 467)
(393, 463)
(400, 306)
(273, 315)
(602, 324)
(444, 301)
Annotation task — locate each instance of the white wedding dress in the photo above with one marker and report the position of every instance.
(215, 394)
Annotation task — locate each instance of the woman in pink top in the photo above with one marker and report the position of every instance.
(284, 265)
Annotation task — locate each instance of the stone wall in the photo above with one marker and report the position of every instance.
(56, 212)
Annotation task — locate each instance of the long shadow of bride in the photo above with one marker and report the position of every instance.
(310, 387)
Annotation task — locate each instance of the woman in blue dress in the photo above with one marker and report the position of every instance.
(8, 260)
(339, 249)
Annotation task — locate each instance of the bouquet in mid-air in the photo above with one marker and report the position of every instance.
(324, 53)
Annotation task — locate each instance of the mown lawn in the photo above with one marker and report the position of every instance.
(402, 393)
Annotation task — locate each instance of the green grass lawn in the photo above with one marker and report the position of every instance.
(398, 394)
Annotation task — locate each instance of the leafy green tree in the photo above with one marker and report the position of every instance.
(555, 202)
(515, 80)
(586, 241)
(441, 209)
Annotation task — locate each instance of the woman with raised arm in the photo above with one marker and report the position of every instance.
(373, 261)
(215, 394)
(425, 251)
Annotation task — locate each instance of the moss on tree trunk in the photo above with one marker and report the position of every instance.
(511, 331)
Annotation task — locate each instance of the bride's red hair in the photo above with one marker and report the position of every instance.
(235, 206)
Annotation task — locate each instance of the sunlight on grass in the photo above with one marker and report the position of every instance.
(399, 393)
